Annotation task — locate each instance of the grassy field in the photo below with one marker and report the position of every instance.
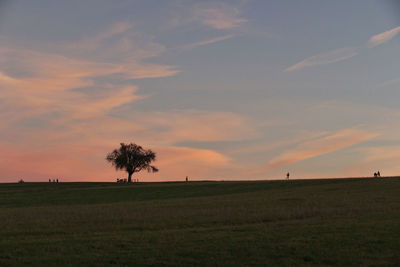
(279, 223)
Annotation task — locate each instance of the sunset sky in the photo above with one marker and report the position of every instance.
(229, 90)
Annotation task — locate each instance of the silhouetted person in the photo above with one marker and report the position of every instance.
(49, 180)
(57, 180)
(287, 176)
(375, 174)
(379, 174)
(187, 179)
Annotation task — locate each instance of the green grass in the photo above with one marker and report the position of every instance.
(278, 223)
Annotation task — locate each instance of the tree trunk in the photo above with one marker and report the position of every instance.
(130, 177)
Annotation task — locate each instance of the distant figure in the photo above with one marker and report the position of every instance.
(287, 176)
(49, 180)
(57, 180)
(187, 179)
(375, 174)
(378, 174)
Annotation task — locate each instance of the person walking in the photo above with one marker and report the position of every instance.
(287, 176)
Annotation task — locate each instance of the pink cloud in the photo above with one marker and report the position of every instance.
(87, 163)
(75, 149)
(40, 165)
(199, 126)
(337, 141)
(374, 158)
(175, 163)
(383, 37)
(49, 77)
(219, 16)
(75, 129)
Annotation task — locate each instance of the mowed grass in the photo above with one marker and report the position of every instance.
(279, 223)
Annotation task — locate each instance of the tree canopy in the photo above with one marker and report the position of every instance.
(132, 158)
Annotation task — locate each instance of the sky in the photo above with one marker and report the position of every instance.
(225, 90)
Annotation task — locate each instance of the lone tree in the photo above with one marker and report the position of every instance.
(132, 158)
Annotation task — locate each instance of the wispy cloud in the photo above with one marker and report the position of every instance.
(344, 53)
(43, 81)
(383, 37)
(49, 81)
(325, 58)
(178, 162)
(207, 42)
(219, 16)
(317, 147)
(56, 115)
(374, 158)
(94, 41)
(389, 83)
(194, 126)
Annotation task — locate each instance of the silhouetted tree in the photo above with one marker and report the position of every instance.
(132, 158)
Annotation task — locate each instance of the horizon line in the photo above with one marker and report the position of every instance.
(220, 180)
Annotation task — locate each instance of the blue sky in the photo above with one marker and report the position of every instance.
(220, 89)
